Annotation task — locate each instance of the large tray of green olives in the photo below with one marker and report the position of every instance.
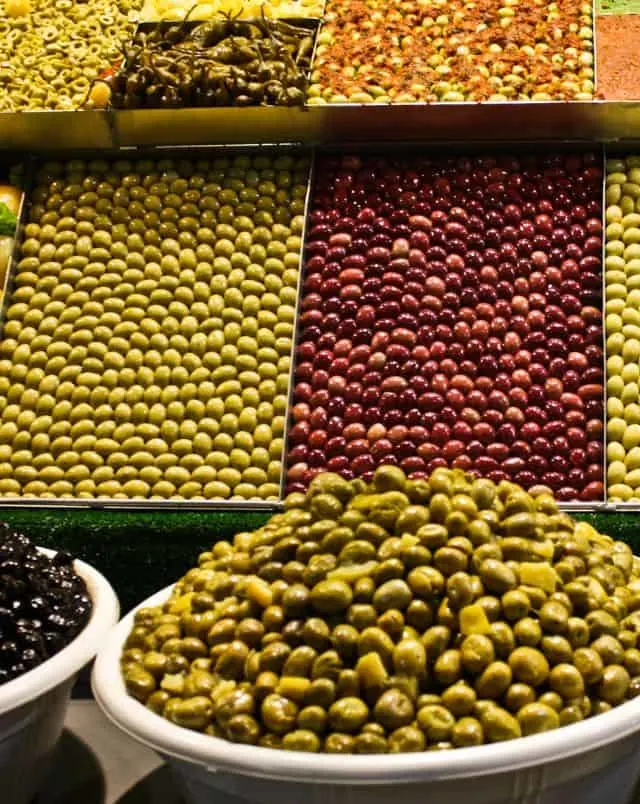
(148, 330)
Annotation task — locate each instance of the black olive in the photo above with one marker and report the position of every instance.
(8, 651)
(43, 604)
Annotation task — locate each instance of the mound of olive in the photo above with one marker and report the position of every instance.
(147, 344)
(43, 604)
(405, 615)
(224, 62)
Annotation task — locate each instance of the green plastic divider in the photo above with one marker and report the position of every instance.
(141, 552)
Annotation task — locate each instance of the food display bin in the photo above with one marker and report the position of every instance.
(33, 706)
(586, 761)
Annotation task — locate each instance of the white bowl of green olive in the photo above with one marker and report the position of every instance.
(444, 639)
(33, 703)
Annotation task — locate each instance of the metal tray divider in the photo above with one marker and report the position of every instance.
(296, 329)
(9, 277)
(605, 414)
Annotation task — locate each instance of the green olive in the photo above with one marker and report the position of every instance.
(529, 666)
(348, 715)
(498, 725)
(534, 718)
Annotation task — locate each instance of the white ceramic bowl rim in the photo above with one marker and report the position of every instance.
(219, 755)
(76, 654)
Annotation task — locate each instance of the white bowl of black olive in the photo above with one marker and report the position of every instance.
(54, 614)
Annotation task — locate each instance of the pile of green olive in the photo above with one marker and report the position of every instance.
(147, 345)
(405, 615)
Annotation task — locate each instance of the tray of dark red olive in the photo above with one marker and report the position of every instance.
(224, 62)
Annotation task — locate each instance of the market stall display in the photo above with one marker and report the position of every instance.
(498, 50)
(451, 315)
(426, 398)
(147, 342)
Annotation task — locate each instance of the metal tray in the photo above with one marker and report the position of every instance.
(312, 25)
(536, 146)
(25, 501)
(364, 123)
(516, 121)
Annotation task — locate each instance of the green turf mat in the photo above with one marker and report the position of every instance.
(140, 552)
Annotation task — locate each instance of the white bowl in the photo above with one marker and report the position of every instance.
(33, 706)
(596, 761)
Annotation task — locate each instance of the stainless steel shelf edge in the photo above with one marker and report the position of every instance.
(518, 121)
(56, 131)
(108, 504)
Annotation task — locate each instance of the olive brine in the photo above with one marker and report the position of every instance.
(44, 604)
(401, 615)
